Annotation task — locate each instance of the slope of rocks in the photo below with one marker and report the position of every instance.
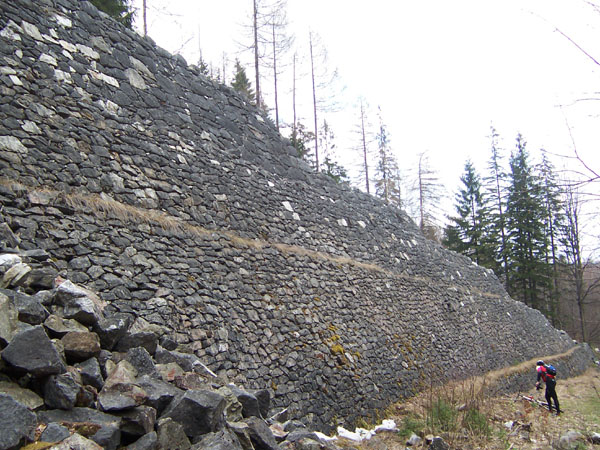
(75, 374)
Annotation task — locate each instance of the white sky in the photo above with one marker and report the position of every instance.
(442, 72)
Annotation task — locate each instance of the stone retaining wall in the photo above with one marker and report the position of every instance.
(174, 199)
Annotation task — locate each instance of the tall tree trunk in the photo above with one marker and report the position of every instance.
(314, 92)
(364, 144)
(256, 68)
(294, 97)
(275, 79)
(421, 193)
(144, 8)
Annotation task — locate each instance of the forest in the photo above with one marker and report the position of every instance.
(522, 218)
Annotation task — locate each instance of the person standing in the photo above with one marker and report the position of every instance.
(550, 380)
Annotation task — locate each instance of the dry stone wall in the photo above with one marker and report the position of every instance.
(176, 200)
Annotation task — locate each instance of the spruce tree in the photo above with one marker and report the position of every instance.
(241, 83)
(528, 277)
(387, 166)
(468, 234)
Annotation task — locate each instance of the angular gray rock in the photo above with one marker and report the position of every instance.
(186, 361)
(438, 444)
(78, 303)
(141, 360)
(90, 372)
(146, 442)
(250, 406)
(14, 276)
(220, 440)
(57, 326)
(55, 432)
(160, 393)
(40, 278)
(17, 423)
(120, 397)
(78, 442)
(138, 421)
(30, 309)
(261, 435)
(24, 396)
(32, 351)
(199, 412)
(112, 328)
(264, 401)
(146, 339)
(171, 435)
(109, 426)
(60, 391)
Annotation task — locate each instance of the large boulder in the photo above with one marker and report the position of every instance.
(104, 429)
(58, 326)
(78, 303)
(24, 396)
(112, 328)
(17, 423)
(160, 393)
(30, 309)
(80, 345)
(199, 412)
(31, 351)
(120, 391)
(220, 440)
(91, 373)
(171, 435)
(61, 391)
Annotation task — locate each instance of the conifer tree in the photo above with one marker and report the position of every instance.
(528, 278)
(428, 189)
(554, 214)
(469, 233)
(301, 139)
(241, 83)
(495, 192)
(387, 166)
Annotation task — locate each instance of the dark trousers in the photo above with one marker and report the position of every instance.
(551, 394)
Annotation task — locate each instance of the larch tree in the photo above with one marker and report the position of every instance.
(554, 214)
(324, 95)
(575, 264)
(281, 43)
(362, 131)
(428, 189)
(496, 192)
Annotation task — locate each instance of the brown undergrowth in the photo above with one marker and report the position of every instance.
(466, 418)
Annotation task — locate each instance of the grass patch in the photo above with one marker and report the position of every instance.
(442, 416)
(411, 424)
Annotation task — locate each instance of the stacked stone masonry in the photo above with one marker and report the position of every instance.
(176, 200)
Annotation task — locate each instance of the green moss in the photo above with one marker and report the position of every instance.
(337, 349)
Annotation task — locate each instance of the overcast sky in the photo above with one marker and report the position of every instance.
(442, 72)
